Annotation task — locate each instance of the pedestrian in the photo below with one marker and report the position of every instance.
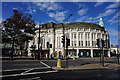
(46, 55)
(32, 55)
(51, 56)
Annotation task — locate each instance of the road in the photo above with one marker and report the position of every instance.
(72, 75)
(41, 70)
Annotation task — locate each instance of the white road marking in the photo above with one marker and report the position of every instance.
(28, 74)
(31, 78)
(22, 69)
(27, 71)
(45, 64)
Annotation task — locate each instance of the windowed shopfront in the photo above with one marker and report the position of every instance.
(72, 52)
(98, 53)
(84, 53)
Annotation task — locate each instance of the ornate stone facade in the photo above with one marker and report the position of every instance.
(82, 37)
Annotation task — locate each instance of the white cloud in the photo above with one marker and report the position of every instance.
(48, 6)
(81, 19)
(32, 11)
(112, 32)
(82, 12)
(80, 5)
(58, 16)
(14, 8)
(114, 5)
(52, 9)
(98, 4)
(114, 19)
(106, 13)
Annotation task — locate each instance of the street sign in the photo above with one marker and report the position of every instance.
(117, 46)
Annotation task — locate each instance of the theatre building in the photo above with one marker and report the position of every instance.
(82, 37)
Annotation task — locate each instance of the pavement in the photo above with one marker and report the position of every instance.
(89, 66)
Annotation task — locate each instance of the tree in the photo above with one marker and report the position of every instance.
(17, 29)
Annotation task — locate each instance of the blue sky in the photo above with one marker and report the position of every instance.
(58, 11)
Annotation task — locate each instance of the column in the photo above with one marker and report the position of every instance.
(70, 39)
(62, 46)
(77, 41)
(77, 52)
(83, 39)
(96, 38)
(108, 52)
(90, 39)
(92, 53)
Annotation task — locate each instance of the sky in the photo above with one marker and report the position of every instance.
(45, 12)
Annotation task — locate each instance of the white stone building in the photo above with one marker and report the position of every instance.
(82, 37)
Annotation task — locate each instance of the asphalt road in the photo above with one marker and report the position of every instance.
(100, 74)
(21, 64)
(76, 74)
(37, 70)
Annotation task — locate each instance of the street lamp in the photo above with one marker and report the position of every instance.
(67, 18)
(38, 54)
(65, 39)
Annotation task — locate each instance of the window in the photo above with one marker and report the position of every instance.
(92, 36)
(80, 29)
(43, 45)
(79, 43)
(88, 43)
(57, 42)
(92, 43)
(85, 35)
(81, 35)
(74, 43)
(67, 35)
(85, 43)
(74, 35)
(88, 36)
(86, 29)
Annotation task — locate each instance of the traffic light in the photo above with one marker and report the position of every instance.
(63, 39)
(50, 45)
(68, 42)
(98, 42)
(47, 44)
(103, 43)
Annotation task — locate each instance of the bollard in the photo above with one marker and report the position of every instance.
(58, 63)
(73, 57)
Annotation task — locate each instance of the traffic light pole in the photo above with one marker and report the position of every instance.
(66, 54)
(102, 57)
(101, 45)
(38, 54)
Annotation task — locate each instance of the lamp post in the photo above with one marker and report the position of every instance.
(67, 18)
(38, 54)
(65, 41)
